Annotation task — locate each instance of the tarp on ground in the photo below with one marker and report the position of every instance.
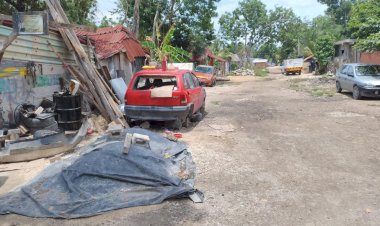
(102, 178)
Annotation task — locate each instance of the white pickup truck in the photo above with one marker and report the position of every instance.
(293, 66)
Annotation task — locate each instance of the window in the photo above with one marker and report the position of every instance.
(150, 82)
(196, 81)
(350, 71)
(344, 69)
(188, 81)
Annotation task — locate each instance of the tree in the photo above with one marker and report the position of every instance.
(80, 11)
(231, 28)
(339, 9)
(10, 6)
(324, 51)
(106, 22)
(365, 25)
(255, 18)
(285, 29)
(136, 18)
(165, 49)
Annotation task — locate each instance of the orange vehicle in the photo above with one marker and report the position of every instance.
(206, 74)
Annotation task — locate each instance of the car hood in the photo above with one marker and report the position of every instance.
(202, 75)
(373, 80)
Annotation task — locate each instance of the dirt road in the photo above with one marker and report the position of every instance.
(269, 155)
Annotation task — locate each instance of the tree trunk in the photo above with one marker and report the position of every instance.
(136, 18)
(155, 21)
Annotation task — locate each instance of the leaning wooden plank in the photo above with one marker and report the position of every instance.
(7, 43)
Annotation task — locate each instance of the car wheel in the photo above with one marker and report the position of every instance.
(186, 122)
(356, 93)
(202, 110)
(338, 87)
(177, 124)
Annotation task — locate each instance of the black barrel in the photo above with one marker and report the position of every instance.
(68, 109)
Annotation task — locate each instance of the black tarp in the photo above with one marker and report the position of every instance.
(102, 178)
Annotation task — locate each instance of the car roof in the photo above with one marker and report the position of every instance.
(159, 72)
(359, 64)
(205, 66)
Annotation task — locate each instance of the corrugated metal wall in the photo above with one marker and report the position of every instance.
(35, 48)
(17, 86)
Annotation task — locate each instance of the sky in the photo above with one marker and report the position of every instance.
(304, 8)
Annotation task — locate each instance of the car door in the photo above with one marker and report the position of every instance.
(350, 78)
(199, 91)
(191, 91)
(342, 77)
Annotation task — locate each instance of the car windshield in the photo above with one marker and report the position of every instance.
(207, 70)
(368, 70)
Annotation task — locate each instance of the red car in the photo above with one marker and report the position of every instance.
(206, 74)
(164, 95)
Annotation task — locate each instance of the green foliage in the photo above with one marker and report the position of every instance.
(324, 51)
(254, 19)
(9, 6)
(260, 72)
(106, 22)
(77, 11)
(80, 11)
(307, 52)
(175, 54)
(339, 10)
(365, 25)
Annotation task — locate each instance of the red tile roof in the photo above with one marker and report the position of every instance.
(112, 40)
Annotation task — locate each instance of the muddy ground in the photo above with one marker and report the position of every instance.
(270, 154)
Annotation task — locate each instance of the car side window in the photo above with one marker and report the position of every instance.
(196, 81)
(344, 70)
(185, 82)
(350, 71)
(189, 80)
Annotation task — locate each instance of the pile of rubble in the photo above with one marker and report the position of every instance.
(243, 72)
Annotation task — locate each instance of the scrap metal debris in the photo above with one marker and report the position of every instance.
(102, 178)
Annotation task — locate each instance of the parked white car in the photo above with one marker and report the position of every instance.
(360, 79)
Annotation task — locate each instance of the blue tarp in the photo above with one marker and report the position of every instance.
(102, 178)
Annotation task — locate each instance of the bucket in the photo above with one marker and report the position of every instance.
(68, 109)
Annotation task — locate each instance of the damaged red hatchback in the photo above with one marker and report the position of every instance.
(164, 95)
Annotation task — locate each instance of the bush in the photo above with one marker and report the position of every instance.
(260, 72)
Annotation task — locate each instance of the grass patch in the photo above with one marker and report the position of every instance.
(322, 92)
(215, 102)
(307, 86)
(260, 72)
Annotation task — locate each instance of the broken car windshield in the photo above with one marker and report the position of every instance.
(150, 82)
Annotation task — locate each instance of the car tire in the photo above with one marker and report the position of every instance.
(202, 110)
(356, 93)
(177, 124)
(338, 87)
(186, 122)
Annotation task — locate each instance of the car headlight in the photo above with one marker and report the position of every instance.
(368, 86)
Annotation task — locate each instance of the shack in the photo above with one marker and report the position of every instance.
(30, 70)
(118, 49)
(208, 58)
(345, 52)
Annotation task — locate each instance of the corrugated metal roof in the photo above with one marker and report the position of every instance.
(112, 40)
(35, 48)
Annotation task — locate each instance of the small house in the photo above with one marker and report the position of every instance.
(118, 49)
